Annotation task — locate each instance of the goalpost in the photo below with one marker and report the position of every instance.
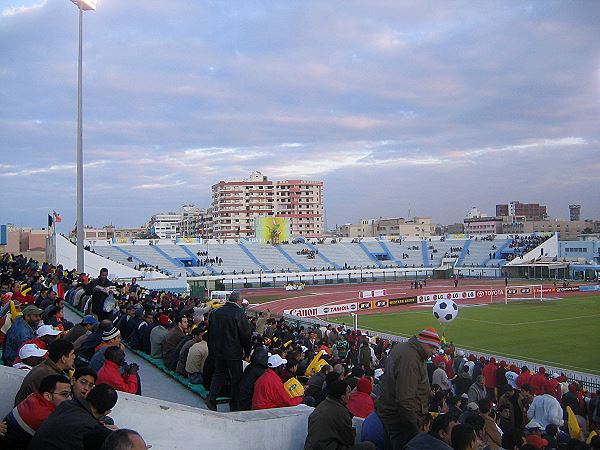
(525, 292)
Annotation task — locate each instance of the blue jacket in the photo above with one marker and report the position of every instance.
(19, 332)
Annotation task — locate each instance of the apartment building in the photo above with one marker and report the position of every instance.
(236, 203)
(415, 227)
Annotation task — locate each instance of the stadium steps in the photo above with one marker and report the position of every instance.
(197, 389)
(387, 250)
(463, 254)
(129, 254)
(323, 257)
(165, 255)
(252, 257)
(425, 253)
(186, 249)
(290, 259)
(371, 256)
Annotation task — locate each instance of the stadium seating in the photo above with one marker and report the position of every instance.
(251, 257)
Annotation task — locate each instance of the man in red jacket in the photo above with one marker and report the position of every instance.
(524, 378)
(538, 382)
(110, 372)
(25, 418)
(269, 391)
(489, 372)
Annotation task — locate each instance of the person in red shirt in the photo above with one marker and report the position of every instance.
(524, 378)
(360, 403)
(538, 381)
(269, 391)
(553, 387)
(489, 372)
(110, 374)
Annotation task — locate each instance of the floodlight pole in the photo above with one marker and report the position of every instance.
(80, 232)
(82, 5)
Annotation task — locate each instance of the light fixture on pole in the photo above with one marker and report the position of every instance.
(82, 5)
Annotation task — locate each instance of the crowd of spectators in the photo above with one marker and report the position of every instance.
(421, 394)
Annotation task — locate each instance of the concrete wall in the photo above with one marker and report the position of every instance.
(170, 426)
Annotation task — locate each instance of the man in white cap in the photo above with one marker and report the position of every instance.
(269, 391)
(30, 355)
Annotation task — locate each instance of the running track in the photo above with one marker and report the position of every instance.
(313, 296)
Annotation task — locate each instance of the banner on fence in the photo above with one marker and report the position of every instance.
(402, 301)
(481, 293)
(344, 308)
(460, 295)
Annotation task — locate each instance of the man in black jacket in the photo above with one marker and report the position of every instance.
(229, 341)
(99, 290)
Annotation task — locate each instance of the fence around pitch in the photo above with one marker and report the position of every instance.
(587, 380)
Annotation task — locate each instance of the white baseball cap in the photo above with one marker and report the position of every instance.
(47, 330)
(275, 361)
(29, 350)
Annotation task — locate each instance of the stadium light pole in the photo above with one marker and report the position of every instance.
(82, 5)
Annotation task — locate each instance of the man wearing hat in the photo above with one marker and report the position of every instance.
(30, 355)
(405, 389)
(84, 327)
(22, 329)
(269, 391)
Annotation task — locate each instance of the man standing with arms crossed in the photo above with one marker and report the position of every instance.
(229, 341)
(405, 389)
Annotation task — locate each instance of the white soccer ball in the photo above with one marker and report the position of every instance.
(445, 310)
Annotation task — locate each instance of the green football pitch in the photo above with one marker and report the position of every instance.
(563, 333)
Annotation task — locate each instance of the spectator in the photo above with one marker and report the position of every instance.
(110, 338)
(139, 338)
(61, 358)
(28, 415)
(196, 356)
(489, 373)
(269, 391)
(538, 381)
(87, 348)
(463, 437)
(438, 437)
(99, 289)
(545, 409)
(492, 436)
(158, 335)
(22, 329)
(463, 381)
(110, 372)
(513, 440)
(524, 377)
(405, 390)
(440, 377)
(360, 403)
(68, 425)
(30, 355)
(258, 365)
(229, 341)
(372, 431)
(173, 343)
(124, 439)
(81, 329)
(83, 381)
(317, 381)
(477, 390)
(330, 424)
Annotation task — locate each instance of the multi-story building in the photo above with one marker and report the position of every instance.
(235, 205)
(575, 212)
(195, 222)
(567, 229)
(416, 227)
(483, 226)
(165, 225)
(531, 211)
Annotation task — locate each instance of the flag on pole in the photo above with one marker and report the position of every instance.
(57, 217)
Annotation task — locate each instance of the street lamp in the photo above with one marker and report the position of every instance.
(82, 5)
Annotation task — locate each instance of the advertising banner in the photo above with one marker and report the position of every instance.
(460, 295)
(372, 294)
(344, 308)
(379, 303)
(402, 301)
(272, 229)
(123, 240)
(188, 240)
(481, 293)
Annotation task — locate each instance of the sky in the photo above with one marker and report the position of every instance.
(430, 107)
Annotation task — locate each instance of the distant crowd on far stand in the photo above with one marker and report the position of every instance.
(420, 394)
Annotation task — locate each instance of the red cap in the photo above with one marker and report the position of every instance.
(364, 385)
(536, 441)
(163, 319)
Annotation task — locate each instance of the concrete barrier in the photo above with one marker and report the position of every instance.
(171, 426)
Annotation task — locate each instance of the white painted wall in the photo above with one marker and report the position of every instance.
(170, 426)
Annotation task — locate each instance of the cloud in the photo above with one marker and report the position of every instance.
(22, 9)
